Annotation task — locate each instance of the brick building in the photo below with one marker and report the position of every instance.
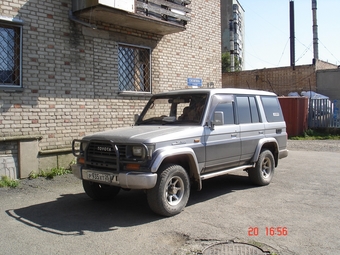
(68, 69)
(281, 80)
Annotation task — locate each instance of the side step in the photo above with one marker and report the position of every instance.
(224, 172)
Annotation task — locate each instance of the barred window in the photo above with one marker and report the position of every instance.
(10, 55)
(134, 68)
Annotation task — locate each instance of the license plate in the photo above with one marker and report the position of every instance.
(108, 178)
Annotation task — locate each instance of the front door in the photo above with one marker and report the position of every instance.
(222, 137)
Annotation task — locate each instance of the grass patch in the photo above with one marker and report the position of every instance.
(312, 134)
(50, 174)
(5, 181)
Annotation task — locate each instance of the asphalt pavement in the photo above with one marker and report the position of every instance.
(298, 213)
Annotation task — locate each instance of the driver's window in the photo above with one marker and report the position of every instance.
(224, 114)
(221, 110)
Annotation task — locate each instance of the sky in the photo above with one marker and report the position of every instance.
(267, 32)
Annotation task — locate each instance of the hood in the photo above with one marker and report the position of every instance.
(146, 134)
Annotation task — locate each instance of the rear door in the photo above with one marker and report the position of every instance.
(251, 126)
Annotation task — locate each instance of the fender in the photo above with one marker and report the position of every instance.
(166, 152)
(260, 145)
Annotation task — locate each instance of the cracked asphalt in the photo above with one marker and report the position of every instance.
(56, 217)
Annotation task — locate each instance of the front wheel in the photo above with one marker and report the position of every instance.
(171, 192)
(99, 191)
(263, 171)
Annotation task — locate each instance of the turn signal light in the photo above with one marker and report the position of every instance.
(81, 161)
(134, 167)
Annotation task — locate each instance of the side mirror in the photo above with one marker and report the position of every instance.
(136, 117)
(218, 118)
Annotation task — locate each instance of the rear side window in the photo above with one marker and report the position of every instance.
(247, 110)
(244, 115)
(254, 111)
(272, 109)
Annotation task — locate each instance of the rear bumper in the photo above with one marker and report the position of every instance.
(128, 180)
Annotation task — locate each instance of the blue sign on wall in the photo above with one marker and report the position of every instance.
(194, 82)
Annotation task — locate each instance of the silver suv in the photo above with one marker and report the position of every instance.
(180, 139)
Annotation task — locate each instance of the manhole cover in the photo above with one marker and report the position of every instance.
(231, 248)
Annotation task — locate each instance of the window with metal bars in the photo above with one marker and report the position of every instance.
(10, 55)
(134, 68)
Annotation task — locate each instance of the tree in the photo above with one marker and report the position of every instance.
(226, 63)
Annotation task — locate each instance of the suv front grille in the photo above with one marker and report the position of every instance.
(104, 155)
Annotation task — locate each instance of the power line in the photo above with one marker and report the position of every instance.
(259, 58)
(329, 51)
(304, 53)
(284, 49)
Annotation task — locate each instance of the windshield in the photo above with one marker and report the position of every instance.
(178, 109)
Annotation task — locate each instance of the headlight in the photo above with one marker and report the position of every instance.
(141, 151)
(83, 146)
(138, 151)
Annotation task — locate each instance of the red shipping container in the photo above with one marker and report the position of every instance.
(295, 112)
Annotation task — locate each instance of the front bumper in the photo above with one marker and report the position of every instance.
(128, 180)
(283, 153)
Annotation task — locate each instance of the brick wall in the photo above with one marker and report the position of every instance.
(194, 53)
(70, 77)
(280, 80)
(322, 65)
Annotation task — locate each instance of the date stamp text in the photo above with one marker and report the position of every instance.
(268, 231)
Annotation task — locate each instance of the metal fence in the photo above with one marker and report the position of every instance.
(323, 113)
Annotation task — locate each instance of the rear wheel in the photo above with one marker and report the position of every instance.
(263, 172)
(99, 191)
(171, 192)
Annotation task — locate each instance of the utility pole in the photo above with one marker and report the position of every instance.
(292, 34)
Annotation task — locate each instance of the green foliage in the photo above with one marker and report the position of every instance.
(312, 134)
(5, 181)
(226, 63)
(49, 174)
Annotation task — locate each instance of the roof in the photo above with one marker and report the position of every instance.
(220, 91)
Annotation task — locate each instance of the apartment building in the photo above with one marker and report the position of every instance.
(233, 29)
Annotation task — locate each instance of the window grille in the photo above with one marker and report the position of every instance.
(134, 68)
(10, 55)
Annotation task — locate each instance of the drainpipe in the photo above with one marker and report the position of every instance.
(73, 18)
(231, 32)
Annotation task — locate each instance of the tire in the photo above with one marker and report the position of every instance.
(171, 192)
(263, 172)
(98, 191)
